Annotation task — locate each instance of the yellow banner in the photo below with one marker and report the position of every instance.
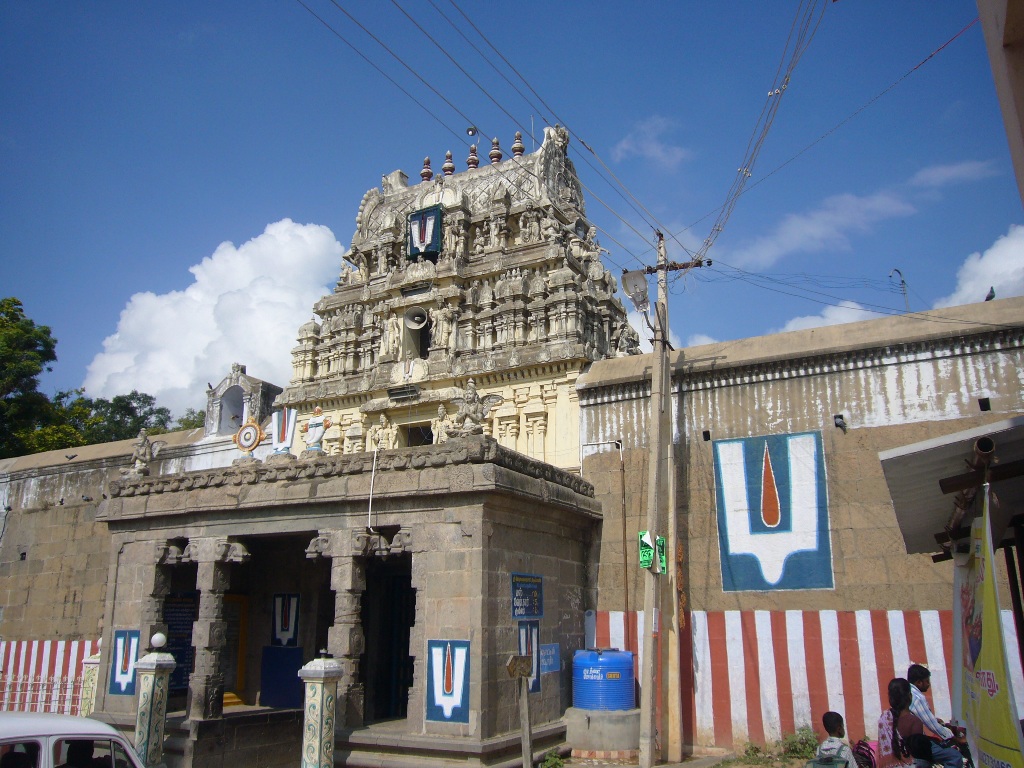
(986, 698)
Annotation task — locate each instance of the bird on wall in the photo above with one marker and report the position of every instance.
(991, 293)
(70, 456)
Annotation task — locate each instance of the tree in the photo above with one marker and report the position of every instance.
(121, 417)
(191, 419)
(26, 350)
(68, 418)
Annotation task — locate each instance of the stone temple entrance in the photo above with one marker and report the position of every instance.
(388, 613)
(283, 565)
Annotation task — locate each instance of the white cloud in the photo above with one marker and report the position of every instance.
(245, 305)
(646, 334)
(1001, 267)
(825, 227)
(699, 339)
(637, 321)
(942, 175)
(645, 141)
(844, 312)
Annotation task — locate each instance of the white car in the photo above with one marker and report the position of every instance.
(35, 740)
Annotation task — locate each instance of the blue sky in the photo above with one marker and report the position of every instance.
(178, 180)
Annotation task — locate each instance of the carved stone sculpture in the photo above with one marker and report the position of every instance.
(473, 409)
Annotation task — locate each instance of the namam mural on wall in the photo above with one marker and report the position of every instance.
(773, 526)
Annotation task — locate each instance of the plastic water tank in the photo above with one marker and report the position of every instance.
(602, 679)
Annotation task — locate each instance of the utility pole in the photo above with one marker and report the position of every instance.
(660, 407)
(648, 724)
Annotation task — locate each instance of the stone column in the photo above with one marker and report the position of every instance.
(154, 671)
(206, 685)
(540, 429)
(90, 676)
(345, 636)
(320, 679)
(156, 584)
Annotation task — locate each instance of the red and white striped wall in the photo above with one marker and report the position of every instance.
(43, 675)
(757, 675)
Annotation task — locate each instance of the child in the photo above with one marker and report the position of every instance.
(834, 747)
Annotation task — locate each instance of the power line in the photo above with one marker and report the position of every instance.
(804, 26)
(461, 69)
(838, 125)
(759, 280)
(653, 223)
(388, 77)
(401, 61)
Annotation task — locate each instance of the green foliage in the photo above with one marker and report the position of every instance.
(552, 760)
(803, 744)
(121, 417)
(72, 419)
(26, 350)
(191, 419)
(799, 746)
(31, 422)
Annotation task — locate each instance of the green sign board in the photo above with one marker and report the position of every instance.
(662, 562)
(646, 549)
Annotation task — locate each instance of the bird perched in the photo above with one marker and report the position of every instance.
(991, 293)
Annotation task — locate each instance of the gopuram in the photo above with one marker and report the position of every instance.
(468, 303)
(409, 507)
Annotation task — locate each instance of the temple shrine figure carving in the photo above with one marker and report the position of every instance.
(453, 290)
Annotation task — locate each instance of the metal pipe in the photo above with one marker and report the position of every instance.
(373, 476)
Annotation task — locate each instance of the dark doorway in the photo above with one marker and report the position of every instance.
(388, 613)
(418, 434)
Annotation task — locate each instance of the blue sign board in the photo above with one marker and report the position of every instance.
(549, 655)
(527, 596)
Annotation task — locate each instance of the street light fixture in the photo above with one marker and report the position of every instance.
(634, 285)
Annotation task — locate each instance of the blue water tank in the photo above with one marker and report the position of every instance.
(602, 679)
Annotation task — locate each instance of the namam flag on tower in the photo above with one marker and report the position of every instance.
(425, 231)
(773, 526)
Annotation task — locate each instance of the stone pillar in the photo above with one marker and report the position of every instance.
(154, 670)
(541, 432)
(320, 679)
(90, 676)
(156, 584)
(345, 636)
(206, 684)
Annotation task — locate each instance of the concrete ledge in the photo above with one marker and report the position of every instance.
(602, 731)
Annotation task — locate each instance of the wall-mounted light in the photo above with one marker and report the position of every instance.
(86, 498)
(471, 131)
(840, 422)
(706, 434)
(984, 404)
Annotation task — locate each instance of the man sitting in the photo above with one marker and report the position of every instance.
(943, 750)
(834, 748)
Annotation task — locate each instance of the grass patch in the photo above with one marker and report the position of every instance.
(794, 747)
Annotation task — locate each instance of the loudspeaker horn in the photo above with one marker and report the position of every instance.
(415, 318)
